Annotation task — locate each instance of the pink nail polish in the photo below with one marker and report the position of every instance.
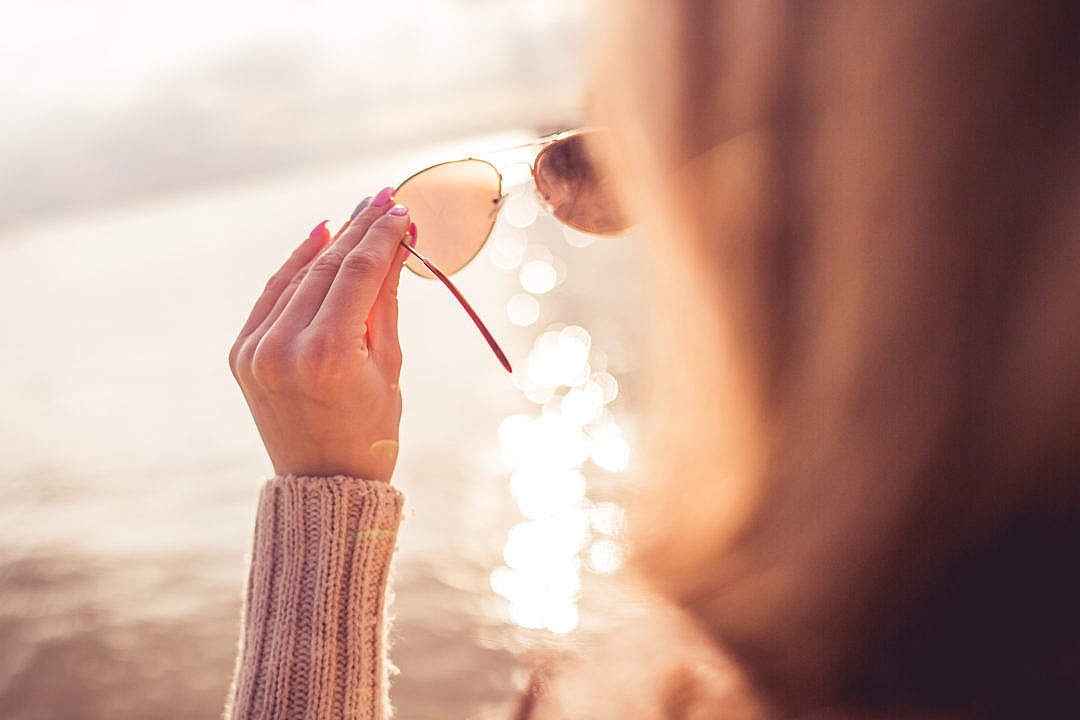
(412, 234)
(399, 210)
(319, 229)
(383, 197)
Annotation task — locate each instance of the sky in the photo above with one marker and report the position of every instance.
(108, 102)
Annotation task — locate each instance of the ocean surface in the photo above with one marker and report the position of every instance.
(130, 464)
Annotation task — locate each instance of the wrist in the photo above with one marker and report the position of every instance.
(377, 463)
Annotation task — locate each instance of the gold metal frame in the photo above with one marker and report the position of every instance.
(545, 143)
(498, 205)
(555, 139)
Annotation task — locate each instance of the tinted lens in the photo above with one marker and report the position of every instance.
(454, 206)
(580, 193)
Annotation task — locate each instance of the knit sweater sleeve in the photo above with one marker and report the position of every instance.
(313, 642)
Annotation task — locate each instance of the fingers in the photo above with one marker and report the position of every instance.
(280, 280)
(277, 292)
(352, 296)
(282, 302)
(287, 293)
(383, 319)
(308, 297)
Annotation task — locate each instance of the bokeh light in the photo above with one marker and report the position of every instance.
(550, 442)
(521, 210)
(560, 270)
(608, 447)
(577, 239)
(564, 530)
(523, 309)
(538, 276)
(607, 383)
(540, 494)
(507, 247)
(559, 357)
(584, 403)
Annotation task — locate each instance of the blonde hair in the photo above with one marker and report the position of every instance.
(866, 408)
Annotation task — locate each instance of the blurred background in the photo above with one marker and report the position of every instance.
(160, 160)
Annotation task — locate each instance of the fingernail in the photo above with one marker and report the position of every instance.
(399, 210)
(383, 197)
(319, 229)
(412, 234)
(363, 204)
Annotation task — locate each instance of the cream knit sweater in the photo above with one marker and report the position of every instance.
(312, 644)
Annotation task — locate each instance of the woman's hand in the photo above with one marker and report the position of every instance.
(318, 359)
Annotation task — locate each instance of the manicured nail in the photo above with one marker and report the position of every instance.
(319, 229)
(383, 197)
(363, 204)
(412, 234)
(399, 210)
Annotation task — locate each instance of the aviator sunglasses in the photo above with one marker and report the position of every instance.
(456, 204)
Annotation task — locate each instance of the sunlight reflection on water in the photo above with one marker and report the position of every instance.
(564, 532)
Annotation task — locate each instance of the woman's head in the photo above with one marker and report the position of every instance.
(867, 368)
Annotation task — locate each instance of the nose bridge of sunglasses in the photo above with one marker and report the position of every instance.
(517, 176)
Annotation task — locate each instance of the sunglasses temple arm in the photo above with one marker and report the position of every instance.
(465, 304)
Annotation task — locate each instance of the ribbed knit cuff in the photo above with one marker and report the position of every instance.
(313, 643)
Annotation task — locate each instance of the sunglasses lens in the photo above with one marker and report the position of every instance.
(580, 193)
(454, 206)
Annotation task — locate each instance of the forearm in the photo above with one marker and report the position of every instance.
(312, 643)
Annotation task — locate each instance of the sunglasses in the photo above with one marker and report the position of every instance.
(456, 204)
